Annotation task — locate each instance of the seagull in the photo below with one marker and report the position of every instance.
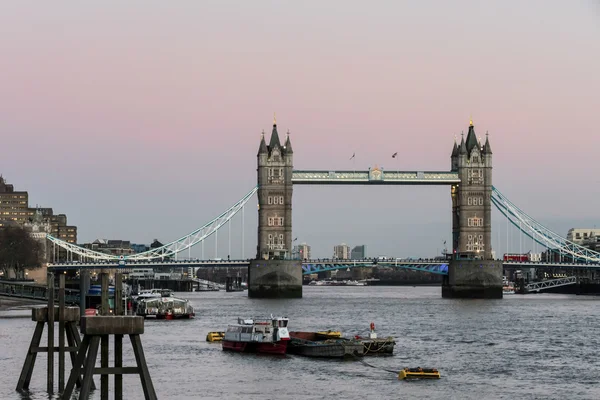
(394, 155)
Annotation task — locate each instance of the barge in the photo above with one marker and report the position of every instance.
(331, 344)
(313, 344)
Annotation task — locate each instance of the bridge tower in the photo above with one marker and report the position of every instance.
(275, 163)
(472, 222)
(273, 274)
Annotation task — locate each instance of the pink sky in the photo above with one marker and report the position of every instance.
(140, 119)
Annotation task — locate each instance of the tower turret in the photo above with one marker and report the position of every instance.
(454, 157)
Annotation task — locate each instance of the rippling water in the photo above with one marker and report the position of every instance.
(525, 347)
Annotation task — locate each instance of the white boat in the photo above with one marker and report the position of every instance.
(507, 287)
(258, 335)
(164, 308)
(355, 283)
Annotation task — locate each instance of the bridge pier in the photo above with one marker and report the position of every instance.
(275, 279)
(473, 279)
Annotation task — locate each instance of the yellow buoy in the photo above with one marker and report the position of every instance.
(215, 336)
(419, 373)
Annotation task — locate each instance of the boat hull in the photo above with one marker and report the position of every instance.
(338, 349)
(256, 347)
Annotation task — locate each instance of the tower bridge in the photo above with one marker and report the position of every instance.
(472, 271)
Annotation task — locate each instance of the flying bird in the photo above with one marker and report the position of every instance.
(394, 155)
(353, 155)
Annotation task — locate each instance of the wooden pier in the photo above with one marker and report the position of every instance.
(97, 332)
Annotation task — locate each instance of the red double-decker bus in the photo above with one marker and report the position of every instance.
(516, 257)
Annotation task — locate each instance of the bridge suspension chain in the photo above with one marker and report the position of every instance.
(542, 235)
(169, 249)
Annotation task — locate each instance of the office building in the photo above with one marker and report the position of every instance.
(341, 252)
(359, 252)
(301, 252)
(580, 235)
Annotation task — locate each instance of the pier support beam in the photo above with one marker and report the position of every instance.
(475, 279)
(271, 279)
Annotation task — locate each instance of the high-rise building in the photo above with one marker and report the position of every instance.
(14, 205)
(341, 252)
(14, 208)
(359, 252)
(301, 252)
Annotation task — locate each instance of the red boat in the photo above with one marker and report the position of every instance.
(263, 335)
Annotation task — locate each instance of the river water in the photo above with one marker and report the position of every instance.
(527, 347)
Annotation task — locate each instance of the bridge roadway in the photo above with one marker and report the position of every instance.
(313, 266)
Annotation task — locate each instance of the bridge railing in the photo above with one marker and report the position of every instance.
(35, 292)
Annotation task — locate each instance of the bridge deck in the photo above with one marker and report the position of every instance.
(375, 176)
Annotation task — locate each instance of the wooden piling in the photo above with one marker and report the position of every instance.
(104, 308)
(50, 371)
(119, 338)
(61, 332)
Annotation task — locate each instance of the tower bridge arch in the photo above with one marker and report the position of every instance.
(470, 181)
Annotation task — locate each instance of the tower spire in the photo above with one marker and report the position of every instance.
(487, 149)
(274, 119)
(288, 144)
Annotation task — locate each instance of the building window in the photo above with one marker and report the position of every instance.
(280, 221)
(475, 176)
(271, 221)
(281, 200)
(470, 201)
(280, 239)
(270, 200)
(481, 201)
(475, 221)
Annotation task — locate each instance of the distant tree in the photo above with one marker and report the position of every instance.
(156, 244)
(18, 251)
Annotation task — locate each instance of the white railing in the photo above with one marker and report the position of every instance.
(168, 249)
(540, 233)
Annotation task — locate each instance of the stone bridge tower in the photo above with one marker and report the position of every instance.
(472, 272)
(275, 164)
(273, 274)
(471, 199)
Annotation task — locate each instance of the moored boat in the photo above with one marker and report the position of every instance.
(258, 335)
(316, 344)
(164, 308)
(507, 287)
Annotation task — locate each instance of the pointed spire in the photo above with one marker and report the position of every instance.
(262, 149)
(274, 119)
(487, 149)
(455, 148)
(274, 142)
(471, 138)
(288, 144)
(463, 148)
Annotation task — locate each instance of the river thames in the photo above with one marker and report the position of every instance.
(527, 347)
